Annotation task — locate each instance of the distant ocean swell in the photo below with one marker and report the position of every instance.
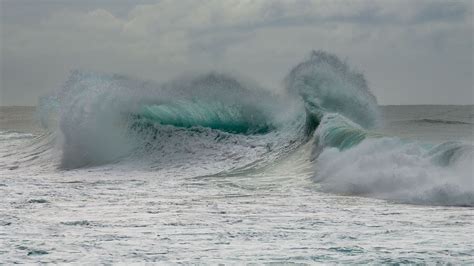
(215, 123)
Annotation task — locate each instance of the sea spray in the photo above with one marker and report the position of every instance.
(326, 84)
(397, 170)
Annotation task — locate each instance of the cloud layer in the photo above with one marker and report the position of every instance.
(411, 51)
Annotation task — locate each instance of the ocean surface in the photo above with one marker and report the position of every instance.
(212, 169)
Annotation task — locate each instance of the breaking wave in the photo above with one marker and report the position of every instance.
(218, 124)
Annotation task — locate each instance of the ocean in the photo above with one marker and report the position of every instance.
(212, 169)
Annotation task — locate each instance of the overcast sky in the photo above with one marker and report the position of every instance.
(412, 52)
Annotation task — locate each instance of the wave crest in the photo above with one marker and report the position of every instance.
(328, 84)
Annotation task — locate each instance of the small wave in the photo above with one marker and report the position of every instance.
(13, 135)
(439, 121)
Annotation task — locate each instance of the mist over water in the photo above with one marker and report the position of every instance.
(323, 140)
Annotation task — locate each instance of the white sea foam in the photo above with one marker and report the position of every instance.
(389, 168)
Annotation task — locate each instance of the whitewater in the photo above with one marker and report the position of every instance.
(212, 168)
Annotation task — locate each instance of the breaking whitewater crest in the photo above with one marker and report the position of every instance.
(215, 123)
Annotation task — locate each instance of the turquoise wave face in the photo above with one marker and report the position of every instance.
(236, 119)
(336, 131)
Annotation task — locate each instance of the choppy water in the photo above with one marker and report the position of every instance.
(211, 170)
(101, 214)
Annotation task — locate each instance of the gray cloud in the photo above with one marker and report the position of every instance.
(410, 51)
